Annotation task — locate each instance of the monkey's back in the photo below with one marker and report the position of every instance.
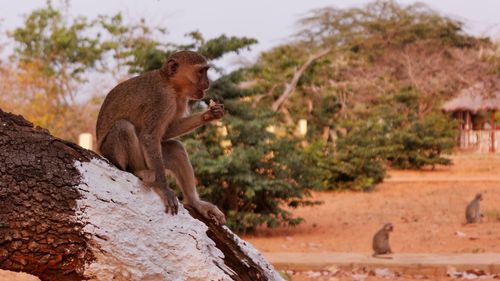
(380, 243)
(471, 211)
(129, 100)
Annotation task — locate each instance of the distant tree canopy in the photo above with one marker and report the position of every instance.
(374, 98)
(381, 24)
(375, 49)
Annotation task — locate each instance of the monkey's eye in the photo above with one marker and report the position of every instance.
(202, 71)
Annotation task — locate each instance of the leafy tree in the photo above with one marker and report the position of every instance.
(25, 90)
(63, 49)
(53, 53)
(381, 24)
(421, 140)
(145, 54)
(415, 140)
(133, 46)
(352, 91)
(250, 173)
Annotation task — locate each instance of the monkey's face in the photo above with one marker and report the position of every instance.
(193, 80)
(388, 227)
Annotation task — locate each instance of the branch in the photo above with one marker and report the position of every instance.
(290, 87)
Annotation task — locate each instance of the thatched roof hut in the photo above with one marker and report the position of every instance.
(482, 96)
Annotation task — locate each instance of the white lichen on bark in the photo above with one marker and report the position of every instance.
(135, 238)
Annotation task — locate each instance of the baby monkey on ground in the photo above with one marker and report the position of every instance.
(380, 242)
(140, 117)
(472, 211)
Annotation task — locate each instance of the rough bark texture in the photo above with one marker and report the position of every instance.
(38, 201)
(245, 268)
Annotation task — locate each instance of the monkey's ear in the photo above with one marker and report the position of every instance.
(170, 67)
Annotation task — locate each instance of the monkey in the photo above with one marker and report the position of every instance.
(472, 211)
(380, 242)
(140, 118)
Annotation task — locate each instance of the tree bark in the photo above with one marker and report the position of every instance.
(67, 214)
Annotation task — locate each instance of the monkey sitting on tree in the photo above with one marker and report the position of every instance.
(472, 211)
(380, 242)
(140, 117)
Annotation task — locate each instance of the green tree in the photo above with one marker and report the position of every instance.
(350, 95)
(250, 173)
(63, 48)
(52, 55)
(419, 140)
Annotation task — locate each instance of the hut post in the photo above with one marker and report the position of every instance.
(461, 129)
(492, 130)
(468, 127)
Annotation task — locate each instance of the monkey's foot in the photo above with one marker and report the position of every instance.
(209, 210)
(147, 176)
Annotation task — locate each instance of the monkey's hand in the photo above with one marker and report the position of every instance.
(209, 211)
(215, 111)
(168, 197)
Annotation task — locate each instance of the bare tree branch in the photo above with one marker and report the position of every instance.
(290, 87)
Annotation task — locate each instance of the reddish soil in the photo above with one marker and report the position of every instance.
(426, 208)
(307, 276)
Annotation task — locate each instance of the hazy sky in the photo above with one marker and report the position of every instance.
(269, 21)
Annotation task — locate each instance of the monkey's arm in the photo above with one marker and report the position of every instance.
(187, 124)
(184, 126)
(150, 141)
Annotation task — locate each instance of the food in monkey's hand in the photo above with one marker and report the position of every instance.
(215, 111)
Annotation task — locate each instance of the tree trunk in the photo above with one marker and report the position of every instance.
(67, 214)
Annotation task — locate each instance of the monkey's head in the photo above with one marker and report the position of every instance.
(479, 197)
(186, 71)
(388, 227)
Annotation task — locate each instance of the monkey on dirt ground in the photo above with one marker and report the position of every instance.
(472, 211)
(140, 118)
(380, 242)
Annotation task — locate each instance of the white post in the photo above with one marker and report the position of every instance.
(271, 129)
(85, 140)
(302, 127)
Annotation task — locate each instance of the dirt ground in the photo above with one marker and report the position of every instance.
(370, 276)
(426, 208)
(307, 276)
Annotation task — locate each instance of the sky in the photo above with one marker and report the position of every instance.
(271, 22)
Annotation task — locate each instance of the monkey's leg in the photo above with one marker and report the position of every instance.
(122, 147)
(177, 162)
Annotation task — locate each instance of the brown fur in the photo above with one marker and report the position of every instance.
(139, 118)
(472, 211)
(380, 243)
